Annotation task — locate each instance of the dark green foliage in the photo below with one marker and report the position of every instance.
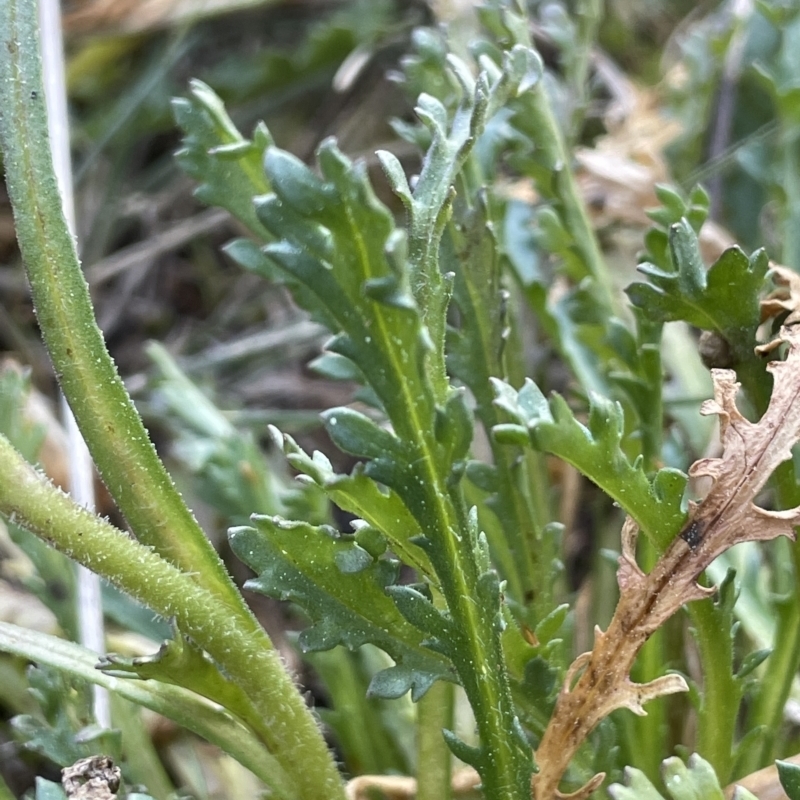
(723, 298)
(215, 153)
(429, 315)
(385, 515)
(384, 293)
(384, 299)
(656, 503)
(789, 774)
(422, 315)
(344, 591)
(341, 244)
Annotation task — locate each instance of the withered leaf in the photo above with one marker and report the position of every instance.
(785, 296)
(599, 682)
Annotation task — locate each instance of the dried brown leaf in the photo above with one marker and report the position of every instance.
(751, 453)
(726, 516)
(785, 296)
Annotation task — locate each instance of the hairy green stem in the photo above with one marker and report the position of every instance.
(110, 424)
(589, 14)
(536, 119)
(520, 505)
(238, 647)
(722, 693)
(434, 712)
(505, 763)
(482, 673)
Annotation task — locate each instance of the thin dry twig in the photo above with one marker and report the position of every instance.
(599, 682)
(401, 787)
(140, 255)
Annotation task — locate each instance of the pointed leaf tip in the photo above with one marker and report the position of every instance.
(789, 774)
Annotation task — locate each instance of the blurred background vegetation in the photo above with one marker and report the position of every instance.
(678, 91)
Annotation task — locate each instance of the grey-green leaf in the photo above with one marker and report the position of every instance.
(298, 562)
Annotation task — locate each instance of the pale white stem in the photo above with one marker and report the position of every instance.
(81, 470)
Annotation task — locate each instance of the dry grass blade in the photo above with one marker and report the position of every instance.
(138, 16)
(764, 784)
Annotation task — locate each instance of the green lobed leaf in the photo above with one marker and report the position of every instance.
(694, 780)
(336, 368)
(724, 298)
(691, 781)
(422, 614)
(251, 256)
(227, 165)
(296, 561)
(539, 150)
(355, 433)
(337, 241)
(463, 751)
(637, 786)
(656, 504)
(551, 624)
(477, 757)
(383, 510)
(340, 243)
(477, 350)
(674, 207)
(452, 137)
(752, 661)
(578, 336)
